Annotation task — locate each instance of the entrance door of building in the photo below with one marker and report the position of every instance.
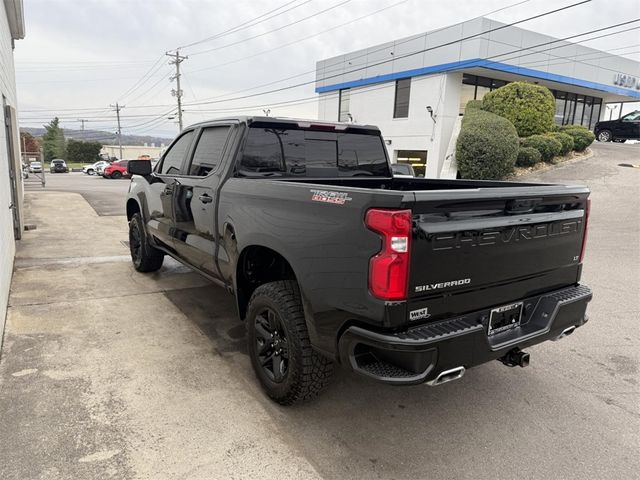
(11, 131)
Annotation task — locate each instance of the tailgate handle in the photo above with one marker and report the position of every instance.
(522, 205)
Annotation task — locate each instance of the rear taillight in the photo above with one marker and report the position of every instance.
(586, 228)
(389, 269)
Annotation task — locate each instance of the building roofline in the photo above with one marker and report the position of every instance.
(15, 16)
(482, 63)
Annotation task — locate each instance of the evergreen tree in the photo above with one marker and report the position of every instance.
(53, 141)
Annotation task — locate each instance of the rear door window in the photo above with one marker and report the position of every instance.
(311, 153)
(208, 152)
(172, 161)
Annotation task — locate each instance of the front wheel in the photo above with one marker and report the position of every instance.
(288, 368)
(604, 136)
(116, 175)
(90, 171)
(144, 256)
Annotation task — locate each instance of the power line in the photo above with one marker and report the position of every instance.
(144, 78)
(395, 58)
(294, 42)
(245, 25)
(274, 30)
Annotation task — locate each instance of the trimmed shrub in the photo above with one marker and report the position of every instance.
(528, 157)
(548, 146)
(582, 136)
(487, 146)
(529, 107)
(473, 104)
(565, 139)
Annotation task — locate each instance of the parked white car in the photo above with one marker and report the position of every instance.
(95, 167)
(35, 167)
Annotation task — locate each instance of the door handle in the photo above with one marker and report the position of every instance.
(205, 198)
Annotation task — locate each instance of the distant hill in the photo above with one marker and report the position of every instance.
(106, 138)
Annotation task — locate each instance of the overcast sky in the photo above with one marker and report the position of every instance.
(80, 56)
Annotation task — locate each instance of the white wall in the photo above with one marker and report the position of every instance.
(7, 243)
(374, 105)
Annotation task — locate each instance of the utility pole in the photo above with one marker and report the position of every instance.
(82, 120)
(177, 59)
(118, 108)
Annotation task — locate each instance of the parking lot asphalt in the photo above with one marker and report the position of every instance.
(106, 196)
(107, 373)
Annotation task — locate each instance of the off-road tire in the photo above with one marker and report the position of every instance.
(308, 372)
(144, 256)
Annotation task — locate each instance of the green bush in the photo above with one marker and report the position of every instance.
(473, 104)
(565, 139)
(487, 146)
(529, 107)
(582, 136)
(548, 146)
(528, 157)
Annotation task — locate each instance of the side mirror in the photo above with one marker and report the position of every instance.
(139, 167)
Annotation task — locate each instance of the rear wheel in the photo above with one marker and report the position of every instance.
(604, 136)
(144, 256)
(90, 171)
(288, 368)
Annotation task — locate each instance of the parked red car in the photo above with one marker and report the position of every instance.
(116, 170)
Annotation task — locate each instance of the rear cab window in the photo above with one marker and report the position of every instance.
(209, 150)
(300, 152)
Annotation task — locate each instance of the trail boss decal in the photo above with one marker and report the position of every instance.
(438, 286)
(327, 196)
(419, 314)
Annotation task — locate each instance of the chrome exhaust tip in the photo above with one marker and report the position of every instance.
(447, 376)
(565, 333)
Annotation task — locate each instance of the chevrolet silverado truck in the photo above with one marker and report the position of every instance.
(332, 260)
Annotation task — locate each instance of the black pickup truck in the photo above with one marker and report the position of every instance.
(333, 260)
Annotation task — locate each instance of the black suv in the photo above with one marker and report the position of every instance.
(624, 128)
(58, 166)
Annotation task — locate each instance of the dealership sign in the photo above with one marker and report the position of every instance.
(626, 81)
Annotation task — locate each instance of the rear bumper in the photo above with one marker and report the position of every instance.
(420, 354)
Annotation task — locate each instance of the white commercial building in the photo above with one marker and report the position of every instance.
(11, 29)
(416, 88)
(132, 152)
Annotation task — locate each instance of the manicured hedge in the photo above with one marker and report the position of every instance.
(565, 139)
(529, 107)
(548, 146)
(528, 157)
(582, 136)
(487, 147)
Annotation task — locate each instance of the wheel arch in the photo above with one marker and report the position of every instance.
(257, 265)
(133, 207)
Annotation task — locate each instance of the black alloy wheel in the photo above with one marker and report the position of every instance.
(144, 256)
(116, 175)
(284, 361)
(271, 345)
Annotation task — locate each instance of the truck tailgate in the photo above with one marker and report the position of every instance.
(480, 247)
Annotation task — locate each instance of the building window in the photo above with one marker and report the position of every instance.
(561, 100)
(343, 105)
(595, 113)
(416, 158)
(401, 105)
